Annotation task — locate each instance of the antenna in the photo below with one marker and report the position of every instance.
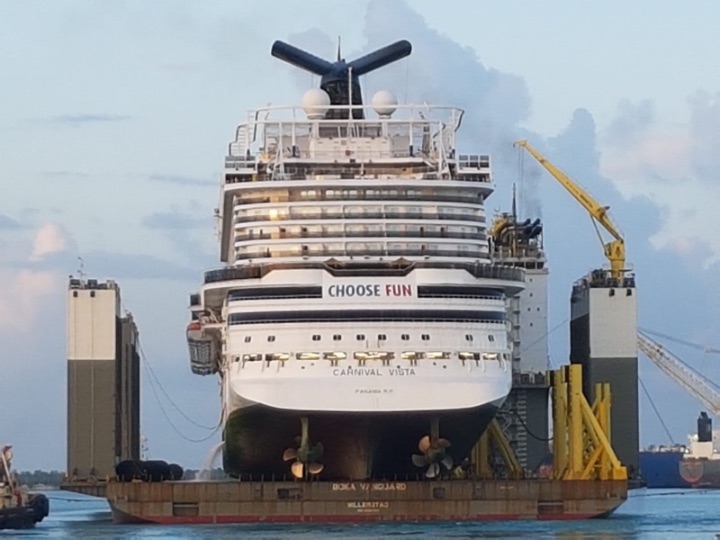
(339, 55)
(81, 270)
(339, 79)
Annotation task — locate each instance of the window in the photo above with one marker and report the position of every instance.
(468, 337)
(382, 337)
(337, 337)
(491, 338)
(247, 339)
(307, 356)
(271, 338)
(426, 337)
(360, 337)
(334, 356)
(276, 357)
(316, 337)
(405, 337)
(251, 357)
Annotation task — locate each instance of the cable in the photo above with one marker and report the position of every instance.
(527, 429)
(657, 412)
(526, 347)
(172, 424)
(162, 389)
(705, 349)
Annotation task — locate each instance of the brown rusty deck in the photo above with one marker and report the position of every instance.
(326, 502)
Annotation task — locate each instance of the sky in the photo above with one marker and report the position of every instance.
(115, 117)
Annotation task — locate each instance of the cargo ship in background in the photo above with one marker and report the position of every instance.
(660, 466)
(700, 466)
(358, 325)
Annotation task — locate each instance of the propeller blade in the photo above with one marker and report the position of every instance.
(433, 470)
(419, 461)
(447, 462)
(289, 454)
(297, 469)
(424, 444)
(318, 450)
(315, 468)
(444, 443)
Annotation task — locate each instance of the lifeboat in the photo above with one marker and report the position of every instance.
(203, 350)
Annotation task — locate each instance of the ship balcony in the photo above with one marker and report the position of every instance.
(312, 251)
(303, 232)
(276, 215)
(354, 196)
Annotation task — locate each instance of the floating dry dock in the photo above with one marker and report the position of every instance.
(327, 502)
(587, 482)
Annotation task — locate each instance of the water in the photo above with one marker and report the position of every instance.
(650, 514)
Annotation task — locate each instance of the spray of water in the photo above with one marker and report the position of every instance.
(206, 471)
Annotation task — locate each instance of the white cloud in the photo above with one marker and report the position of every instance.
(25, 288)
(676, 168)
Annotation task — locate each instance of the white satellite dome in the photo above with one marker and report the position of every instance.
(384, 103)
(315, 103)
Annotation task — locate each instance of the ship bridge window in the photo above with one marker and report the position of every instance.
(307, 356)
(252, 357)
(277, 357)
(438, 355)
(334, 356)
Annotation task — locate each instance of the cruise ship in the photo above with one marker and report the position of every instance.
(358, 324)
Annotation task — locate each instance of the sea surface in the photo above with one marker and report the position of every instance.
(672, 514)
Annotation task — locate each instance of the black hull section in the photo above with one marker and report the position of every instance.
(356, 445)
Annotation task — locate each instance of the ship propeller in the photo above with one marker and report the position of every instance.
(305, 456)
(434, 452)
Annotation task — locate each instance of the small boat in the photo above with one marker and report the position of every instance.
(18, 508)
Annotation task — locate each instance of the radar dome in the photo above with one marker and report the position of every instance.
(315, 103)
(384, 103)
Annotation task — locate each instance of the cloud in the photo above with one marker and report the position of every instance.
(86, 118)
(25, 288)
(8, 223)
(49, 239)
(179, 180)
(173, 220)
(677, 168)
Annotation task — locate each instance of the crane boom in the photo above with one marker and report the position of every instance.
(697, 385)
(614, 249)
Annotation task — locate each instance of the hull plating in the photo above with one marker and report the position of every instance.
(356, 446)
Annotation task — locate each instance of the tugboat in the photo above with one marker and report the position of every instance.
(18, 508)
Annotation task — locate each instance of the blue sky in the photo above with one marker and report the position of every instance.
(114, 118)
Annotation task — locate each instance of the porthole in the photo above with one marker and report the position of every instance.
(337, 337)
(316, 337)
(405, 337)
(491, 338)
(247, 339)
(360, 337)
(426, 337)
(382, 337)
(468, 337)
(271, 338)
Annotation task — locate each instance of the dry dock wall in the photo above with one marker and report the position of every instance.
(103, 394)
(603, 339)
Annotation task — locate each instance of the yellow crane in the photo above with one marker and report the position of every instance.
(614, 249)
